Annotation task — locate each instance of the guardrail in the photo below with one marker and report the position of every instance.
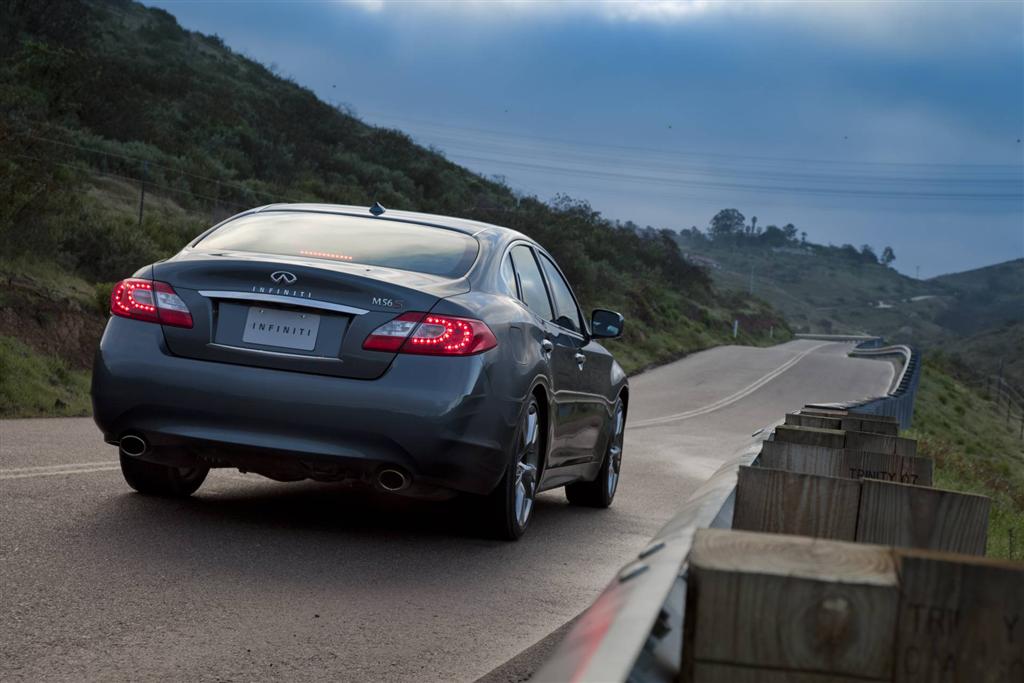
(634, 631)
(899, 402)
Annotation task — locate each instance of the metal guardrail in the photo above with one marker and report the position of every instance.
(866, 341)
(634, 630)
(899, 402)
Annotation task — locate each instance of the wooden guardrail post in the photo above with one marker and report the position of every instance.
(922, 517)
(961, 619)
(865, 510)
(767, 607)
(764, 607)
(836, 462)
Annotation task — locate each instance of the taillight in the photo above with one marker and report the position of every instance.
(432, 335)
(154, 302)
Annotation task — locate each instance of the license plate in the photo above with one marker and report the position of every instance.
(286, 329)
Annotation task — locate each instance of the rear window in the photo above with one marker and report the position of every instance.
(348, 239)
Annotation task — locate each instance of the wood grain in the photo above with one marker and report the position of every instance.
(713, 672)
(783, 502)
(845, 463)
(852, 423)
(961, 619)
(790, 603)
(920, 517)
(811, 436)
(880, 443)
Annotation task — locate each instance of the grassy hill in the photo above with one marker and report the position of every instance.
(976, 450)
(983, 299)
(102, 103)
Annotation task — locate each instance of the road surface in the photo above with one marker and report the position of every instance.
(252, 579)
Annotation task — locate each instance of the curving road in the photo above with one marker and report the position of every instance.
(256, 579)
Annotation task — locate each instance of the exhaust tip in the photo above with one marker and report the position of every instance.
(392, 480)
(133, 445)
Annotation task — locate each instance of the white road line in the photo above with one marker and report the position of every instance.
(728, 400)
(57, 470)
(61, 466)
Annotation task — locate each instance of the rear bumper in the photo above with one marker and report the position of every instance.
(437, 419)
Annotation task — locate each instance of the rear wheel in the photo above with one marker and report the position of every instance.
(600, 492)
(511, 503)
(161, 480)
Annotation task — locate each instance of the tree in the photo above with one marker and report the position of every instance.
(773, 237)
(803, 237)
(753, 225)
(888, 256)
(790, 230)
(868, 253)
(726, 223)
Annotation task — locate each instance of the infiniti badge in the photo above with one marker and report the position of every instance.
(283, 277)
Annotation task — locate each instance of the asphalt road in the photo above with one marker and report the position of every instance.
(252, 579)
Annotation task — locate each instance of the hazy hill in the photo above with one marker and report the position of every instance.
(976, 314)
(984, 298)
(103, 102)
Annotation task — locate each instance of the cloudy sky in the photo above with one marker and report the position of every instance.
(888, 123)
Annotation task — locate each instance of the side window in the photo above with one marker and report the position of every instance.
(535, 295)
(566, 312)
(508, 277)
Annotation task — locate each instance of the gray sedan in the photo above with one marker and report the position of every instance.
(421, 355)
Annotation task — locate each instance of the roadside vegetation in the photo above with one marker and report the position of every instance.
(123, 135)
(975, 447)
(34, 385)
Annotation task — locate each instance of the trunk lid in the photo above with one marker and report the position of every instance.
(292, 313)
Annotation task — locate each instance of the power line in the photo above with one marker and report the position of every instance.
(751, 187)
(678, 152)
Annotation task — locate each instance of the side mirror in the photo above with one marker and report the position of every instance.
(606, 324)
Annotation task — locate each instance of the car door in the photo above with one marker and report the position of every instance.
(533, 292)
(581, 405)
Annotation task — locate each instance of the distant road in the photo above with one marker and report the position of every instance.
(255, 579)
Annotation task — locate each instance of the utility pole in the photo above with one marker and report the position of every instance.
(142, 190)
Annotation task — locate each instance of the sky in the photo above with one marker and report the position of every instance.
(884, 123)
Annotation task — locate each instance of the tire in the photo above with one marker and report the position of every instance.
(600, 492)
(510, 505)
(160, 480)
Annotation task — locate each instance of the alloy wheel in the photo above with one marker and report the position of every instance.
(527, 464)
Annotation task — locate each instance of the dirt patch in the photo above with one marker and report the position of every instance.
(56, 327)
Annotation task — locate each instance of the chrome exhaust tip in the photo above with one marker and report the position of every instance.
(133, 445)
(392, 480)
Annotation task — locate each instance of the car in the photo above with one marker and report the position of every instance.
(421, 355)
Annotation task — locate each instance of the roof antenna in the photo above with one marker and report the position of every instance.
(376, 209)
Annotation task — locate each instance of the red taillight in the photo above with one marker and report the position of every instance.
(154, 302)
(432, 335)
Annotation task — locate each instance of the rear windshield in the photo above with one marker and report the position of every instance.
(331, 237)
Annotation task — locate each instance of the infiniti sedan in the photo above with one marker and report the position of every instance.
(421, 355)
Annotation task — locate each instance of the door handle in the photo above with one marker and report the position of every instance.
(547, 347)
(580, 360)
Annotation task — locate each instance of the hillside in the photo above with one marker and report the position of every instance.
(977, 448)
(984, 298)
(122, 136)
(828, 289)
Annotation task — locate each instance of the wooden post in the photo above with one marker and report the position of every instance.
(790, 604)
(961, 619)
(786, 503)
(766, 607)
(845, 463)
(919, 517)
